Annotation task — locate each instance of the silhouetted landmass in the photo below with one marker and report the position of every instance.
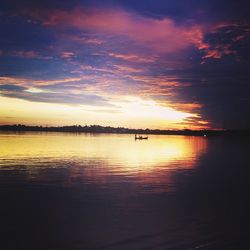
(121, 130)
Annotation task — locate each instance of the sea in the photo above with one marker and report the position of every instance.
(72, 191)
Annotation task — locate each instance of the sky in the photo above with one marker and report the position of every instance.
(162, 64)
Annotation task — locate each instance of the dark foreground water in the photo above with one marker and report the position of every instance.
(68, 191)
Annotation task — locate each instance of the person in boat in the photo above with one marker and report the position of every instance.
(140, 137)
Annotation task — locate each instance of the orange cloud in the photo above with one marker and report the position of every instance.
(218, 51)
(133, 57)
(238, 32)
(67, 54)
(187, 107)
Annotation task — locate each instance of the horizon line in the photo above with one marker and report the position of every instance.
(95, 128)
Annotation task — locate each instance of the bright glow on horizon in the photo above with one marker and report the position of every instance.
(131, 112)
(150, 109)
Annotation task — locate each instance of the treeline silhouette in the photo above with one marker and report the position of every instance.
(121, 130)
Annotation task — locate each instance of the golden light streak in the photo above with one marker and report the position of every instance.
(131, 112)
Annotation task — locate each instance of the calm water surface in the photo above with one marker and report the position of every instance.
(85, 191)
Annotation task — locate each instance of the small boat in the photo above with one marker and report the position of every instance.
(141, 137)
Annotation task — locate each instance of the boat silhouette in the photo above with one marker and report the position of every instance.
(141, 137)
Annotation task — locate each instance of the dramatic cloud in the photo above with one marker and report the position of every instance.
(190, 57)
(163, 34)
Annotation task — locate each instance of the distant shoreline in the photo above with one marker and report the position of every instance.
(121, 130)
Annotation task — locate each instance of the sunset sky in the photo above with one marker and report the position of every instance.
(139, 64)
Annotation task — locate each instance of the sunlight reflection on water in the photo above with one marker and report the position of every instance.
(101, 159)
(101, 191)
